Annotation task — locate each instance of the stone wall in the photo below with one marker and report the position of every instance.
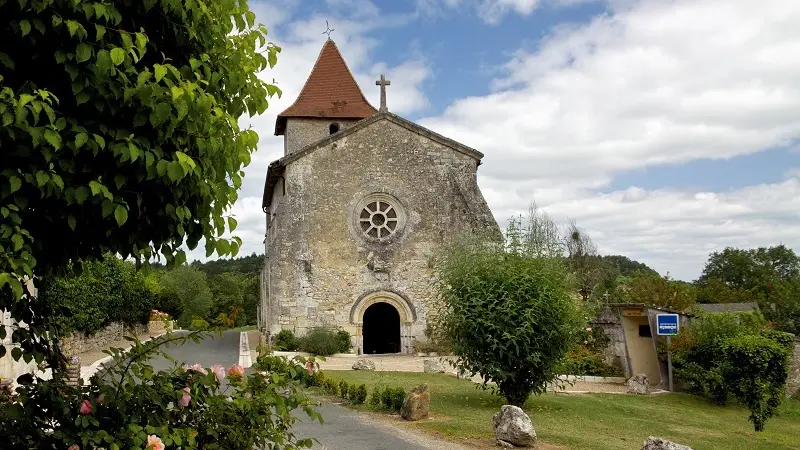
(793, 385)
(615, 354)
(302, 132)
(321, 269)
(102, 339)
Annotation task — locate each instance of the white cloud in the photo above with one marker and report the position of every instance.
(655, 82)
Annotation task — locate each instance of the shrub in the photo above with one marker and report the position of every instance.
(286, 341)
(723, 355)
(358, 394)
(130, 401)
(507, 316)
(376, 398)
(343, 340)
(320, 341)
(331, 386)
(198, 324)
(398, 396)
(386, 398)
(317, 379)
(756, 369)
(344, 390)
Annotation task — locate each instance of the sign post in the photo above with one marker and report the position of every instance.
(668, 325)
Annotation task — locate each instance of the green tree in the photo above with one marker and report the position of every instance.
(507, 316)
(120, 134)
(227, 289)
(110, 290)
(768, 275)
(655, 290)
(189, 286)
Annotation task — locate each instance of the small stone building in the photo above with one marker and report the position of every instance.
(633, 346)
(355, 208)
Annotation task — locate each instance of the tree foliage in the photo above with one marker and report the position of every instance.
(190, 287)
(105, 291)
(120, 133)
(507, 316)
(657, 290)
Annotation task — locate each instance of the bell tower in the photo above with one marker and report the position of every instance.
(329, 102)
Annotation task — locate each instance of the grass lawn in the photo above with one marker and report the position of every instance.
(245, 328)
(595, 421)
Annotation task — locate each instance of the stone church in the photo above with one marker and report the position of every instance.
(355, 209)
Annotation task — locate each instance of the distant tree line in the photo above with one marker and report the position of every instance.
(91, 295)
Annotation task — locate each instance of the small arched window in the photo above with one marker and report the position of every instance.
(333, 128)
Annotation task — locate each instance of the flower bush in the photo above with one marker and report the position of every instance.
(130, 405)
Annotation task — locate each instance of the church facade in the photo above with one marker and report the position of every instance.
(355, 209)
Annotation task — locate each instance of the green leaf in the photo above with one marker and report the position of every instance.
(100, 10)
(6, 60)
(81, 194)
(174, 171)
(121, 214)
(24, 99)
(81, 139)
(160, 114)
(82, 97)
(42, 178)
(72, 222)
(176, 92)
(95, 187)
(15, 183)
(83, 52)
(39, 25)
(103, 60)
(232, 223)
(25, 27)
(117, 56)
(100, 31)
(160, 71)
(135, 152)
(73, 26)
(141, 41)
(16, 353)
(53, 138)
(100, 141)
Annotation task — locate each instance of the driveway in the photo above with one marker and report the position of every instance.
(343, 429)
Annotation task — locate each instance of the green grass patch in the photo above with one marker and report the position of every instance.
(594, 421)
(245, 328)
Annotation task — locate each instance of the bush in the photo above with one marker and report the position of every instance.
(358, 394)
(722, 355)
(198, 324)
(331, 386)
(343, 340)
(317, 379)
(506, 316)
(131, 401)
(344, 390)
(376, 398)
(320, 341)
(286, 341)
(756, 369)
(397, 397)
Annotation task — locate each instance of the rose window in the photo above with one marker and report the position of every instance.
(378, 219)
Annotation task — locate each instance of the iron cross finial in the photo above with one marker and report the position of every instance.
(328, 30)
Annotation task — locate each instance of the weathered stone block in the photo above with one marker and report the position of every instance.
(433, 366)
(638, 384)
(513, 426)
(417, 404)
(363, 364)
(654, 443)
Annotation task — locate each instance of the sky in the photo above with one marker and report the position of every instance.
(667, 129)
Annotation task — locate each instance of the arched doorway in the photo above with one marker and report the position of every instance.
(381, 329)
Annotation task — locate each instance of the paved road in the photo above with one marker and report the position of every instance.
(343, 428)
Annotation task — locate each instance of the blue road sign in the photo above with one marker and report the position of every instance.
(667, 324)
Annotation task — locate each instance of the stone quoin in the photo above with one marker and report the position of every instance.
(355, 209)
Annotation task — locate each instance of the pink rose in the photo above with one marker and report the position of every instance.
(236, 370)
(74, 447)
(186, 399)
(196, 368)
(310, 368)
(154, 443)
(589, 330)
(86, 408)
(219, 371)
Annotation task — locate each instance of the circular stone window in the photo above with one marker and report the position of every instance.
(379, 217)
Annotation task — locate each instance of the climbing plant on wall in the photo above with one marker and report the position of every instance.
(119, 134)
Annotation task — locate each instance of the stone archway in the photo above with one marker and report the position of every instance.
(383, 322)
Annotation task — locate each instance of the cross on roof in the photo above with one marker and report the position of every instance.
(383, 82)
(328, 30)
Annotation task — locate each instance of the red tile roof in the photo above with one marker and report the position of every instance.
(330, 92)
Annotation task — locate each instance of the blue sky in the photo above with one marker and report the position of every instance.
(666, 128)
